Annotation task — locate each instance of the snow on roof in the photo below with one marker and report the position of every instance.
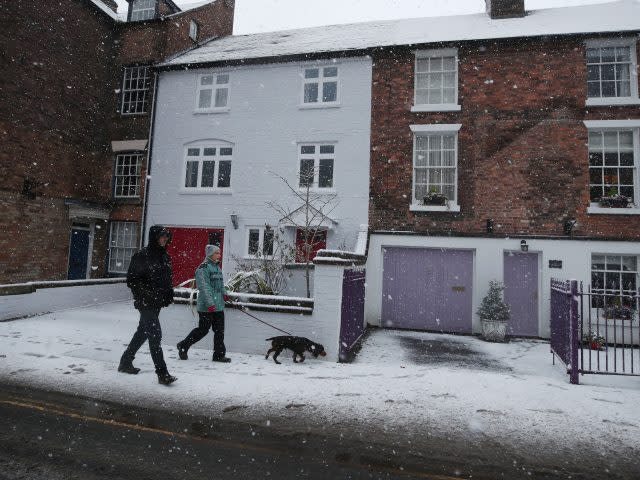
(619, 16)
(107, 10)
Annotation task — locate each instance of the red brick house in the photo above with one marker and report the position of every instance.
(76, 102)
(497, 141)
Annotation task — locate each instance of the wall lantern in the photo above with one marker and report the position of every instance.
(569, 225)
(489, 225)
(523, 246)
(234, 220)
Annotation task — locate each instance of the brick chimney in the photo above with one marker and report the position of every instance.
(497, 9)
(111, 4)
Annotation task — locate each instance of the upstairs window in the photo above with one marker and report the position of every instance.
(208, 168)
(611, 72)
(135, 90)
(142, 10)
(436, 80)
(127, 177)
(316, 166)
(612, 164)
(213, 92)
(320, 86)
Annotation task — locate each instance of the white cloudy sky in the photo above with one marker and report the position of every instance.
(265, 15)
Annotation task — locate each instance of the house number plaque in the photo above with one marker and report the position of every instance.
(555, 263)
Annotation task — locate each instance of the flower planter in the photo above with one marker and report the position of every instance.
(436, 199)
(595, 345)
(620, 313)
(493, 330)
(617, 201)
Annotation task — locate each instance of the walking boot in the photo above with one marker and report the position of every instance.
(166, 379)
(182, 352)
(221, 359)
(128, 368)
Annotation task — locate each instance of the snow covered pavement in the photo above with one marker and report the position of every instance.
(413, 384)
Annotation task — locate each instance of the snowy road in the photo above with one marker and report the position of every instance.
(405, 387)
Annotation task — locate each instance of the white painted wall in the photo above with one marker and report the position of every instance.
(488, 265)
(45, 300)
(265, 124)
(243, 334)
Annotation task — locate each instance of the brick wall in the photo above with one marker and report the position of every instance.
(54, 97)
(522, 160)
(59, 111)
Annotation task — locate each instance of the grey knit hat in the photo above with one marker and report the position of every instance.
(210, 250)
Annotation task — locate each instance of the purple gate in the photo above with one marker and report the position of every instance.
(595, 331)
(564, 325)
(521, 293)
(352, 317)
(427, 289)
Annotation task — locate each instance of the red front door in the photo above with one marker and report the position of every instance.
(187, 249)
(306, 251)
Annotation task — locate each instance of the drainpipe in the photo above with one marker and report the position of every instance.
(147, 177)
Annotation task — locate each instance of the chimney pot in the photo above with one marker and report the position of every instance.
(497, 9)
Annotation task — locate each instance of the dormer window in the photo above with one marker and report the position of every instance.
(193, 30)
(142, 10)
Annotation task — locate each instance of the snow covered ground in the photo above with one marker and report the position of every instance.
(413, 384)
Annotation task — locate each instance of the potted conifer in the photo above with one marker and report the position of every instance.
(494, 314)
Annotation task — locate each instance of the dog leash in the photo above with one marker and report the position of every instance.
(242, 309)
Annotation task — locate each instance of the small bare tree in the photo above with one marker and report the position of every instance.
(308, 215)
(270, 261)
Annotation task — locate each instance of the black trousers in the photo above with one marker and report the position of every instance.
(148, 329)
(208, 320)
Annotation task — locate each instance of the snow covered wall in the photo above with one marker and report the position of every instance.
(58, 296)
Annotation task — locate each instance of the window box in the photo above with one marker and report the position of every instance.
(615, 201)
(619, 313)
(434, 198)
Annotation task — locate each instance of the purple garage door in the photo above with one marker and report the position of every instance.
(427, 289)
(521, 293)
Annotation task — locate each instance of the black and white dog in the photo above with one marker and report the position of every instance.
(298, 345)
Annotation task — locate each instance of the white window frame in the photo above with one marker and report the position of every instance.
(317, 156)
(435, 107)
(133, 179)
(141, 71)
(320, 81)
(617, 125)
(142, 18)
(425, 130)
(261, 229)
(633, 99)
(122, 252)
(214, 87)
(202, 158)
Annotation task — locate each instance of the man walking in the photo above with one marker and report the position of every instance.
(211, 298)
(149, 278)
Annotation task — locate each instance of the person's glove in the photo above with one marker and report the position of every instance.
(211, 309)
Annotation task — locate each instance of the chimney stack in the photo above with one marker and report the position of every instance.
(498, 9)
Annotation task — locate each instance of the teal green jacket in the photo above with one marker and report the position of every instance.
(210, 286)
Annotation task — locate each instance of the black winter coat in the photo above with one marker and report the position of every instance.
(149, 276)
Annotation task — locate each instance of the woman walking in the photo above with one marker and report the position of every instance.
(211, 298)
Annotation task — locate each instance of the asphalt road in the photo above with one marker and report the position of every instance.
(52, 436)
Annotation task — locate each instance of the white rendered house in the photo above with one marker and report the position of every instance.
(223, 136)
